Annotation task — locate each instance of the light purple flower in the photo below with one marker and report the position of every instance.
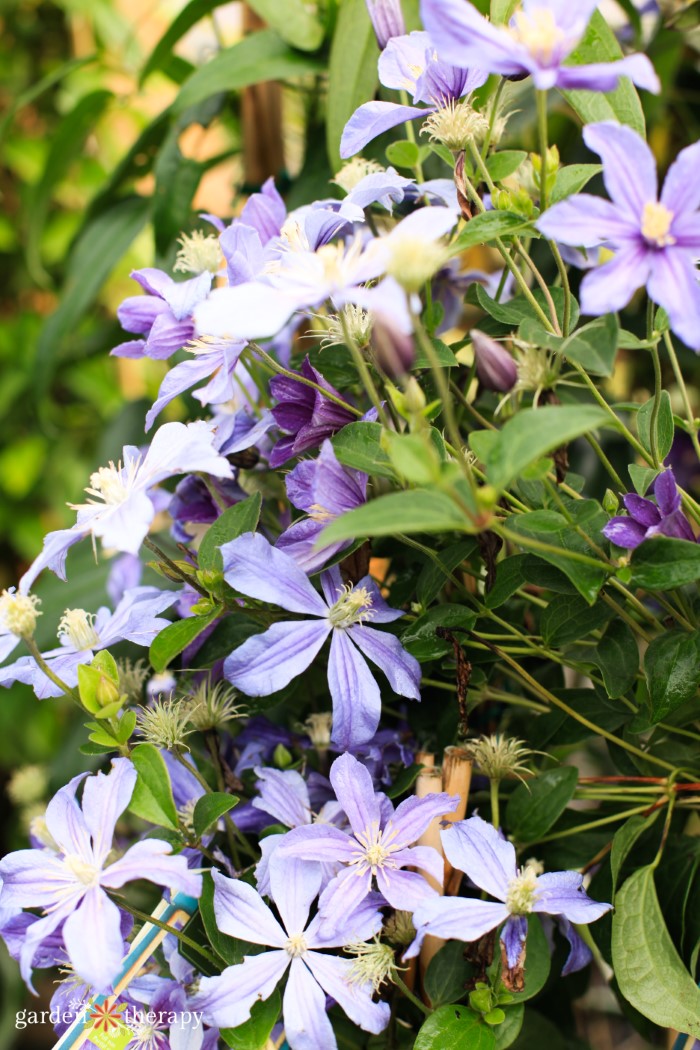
(387, 19)
(82, 634)
(121, 507)
(324, 490)
(409, 63)
(537, 41)
(298, 947)
(69, 885)
(647, 519)
(656, 240)
(477, 849)
(214, 358)
(163, 315)
(379, 845)
(267, 662)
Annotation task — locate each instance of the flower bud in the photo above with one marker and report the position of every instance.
(98, 686)
(394, 351)
(494, 366)
(387, 20)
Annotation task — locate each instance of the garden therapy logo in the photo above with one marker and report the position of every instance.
(106, 1026)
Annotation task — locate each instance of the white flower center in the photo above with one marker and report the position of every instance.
(294, 234)
(376, 849)
(77, 627)
(353, 606)
(18, 612)
(296, 946)
(522, 889)
(538, 32)
(355, 171)
(656, 224)
(84, 872)
(108, 484)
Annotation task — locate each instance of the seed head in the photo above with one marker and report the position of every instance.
(399, 929)
(499, 756)
(199, 252)
(131, 679)
(28, 785)
(165, 723)
(373, 961)
(211, 707)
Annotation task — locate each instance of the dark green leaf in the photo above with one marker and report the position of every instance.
(600, 44)
(594, 346)
(617, 656)
(153, 795)
(417, 510)
(259, 57)
(507, 1032)
(550, 527)
(358, 445)
(536, 805)
(209, 808)
(659, 563)
(444, 355)
(672, 669)
(352, 71)
(420, 638)
(456, 1027)
(433, 576)
(255, 1033)
(519, 309)
(176, 637)
(447, 975)
(188, 17)
(642, 477)
(230, 949)
(414, 457)
(568, 618)
(293, 20)
(487, 226)
(649, 971)
(503, 164)
(571, 179)
(404, 780)
(664, 424)
(242, 517)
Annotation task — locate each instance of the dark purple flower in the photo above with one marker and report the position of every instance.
(646, 519)
(324, 489)
(163, 316)
(193, 504)
(305, 414)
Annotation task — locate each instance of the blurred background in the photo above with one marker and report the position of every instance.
(111, 143)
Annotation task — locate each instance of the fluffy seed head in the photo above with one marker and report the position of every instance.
(198, 252)
(212, 706)
(27, 785)
(165, 724)
(131, 679)
(455, 125)
(499, 756)
(373, 962)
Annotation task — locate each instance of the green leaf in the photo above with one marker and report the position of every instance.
(507, 1032)
(649, 971)
(558, 729)
(100, 246)
(352, 72)
(404, 780)
(456, 1027)
(443, 354)
(259, 57)
(571, 179)
(617, 657)
(230, 949)
(503, 164)
(641, 477)
(433, 576)
(358, 445)
(624, 840)
(66, 144)
(538, 961)
(536, 805)
(550, 527)
(242, 517)
(664, 424)
(152, 799)
(534, 432)
(600, 44)
(661, 563)
(519, 309)
(594, 346)
(403, 154)
(420, 638)
(417, 510)
(188, 17)
(672, 669)
(209, 808)
(254, 1033)
(488, 225)
(176, 637)
(568, 618)
(293, 20)
(501, 10)
(447, 975)
(413, 457)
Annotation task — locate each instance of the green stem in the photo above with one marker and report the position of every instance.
(547, 548)
(145, 917)
(494, 785)
(543, 137)
(179, 573)
(692, 427)
(298, 378)
(656, 407)
(411, 136)
(493, 117)
(41, 662)
(595, 824)
(410, 996)
(565, 285)
(605, 461)
(363, 372)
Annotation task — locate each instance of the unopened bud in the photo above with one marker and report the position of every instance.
(387, 20)
(394, 351)
(495, 367)
(98, 685)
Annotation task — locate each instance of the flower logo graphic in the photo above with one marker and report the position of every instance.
(107, 1015)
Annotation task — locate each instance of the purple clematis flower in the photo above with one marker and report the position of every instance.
(305, 414)
(656, 240)
(536, 42)
(324, 489)
(267, 662)
(122, 507)
(82, 634)
(163, 315)
(215, 358)
(377, 846)
(297, 946)
(387, 19)
(69, 884)
(477, 849)
(647, 519)
(409, 63)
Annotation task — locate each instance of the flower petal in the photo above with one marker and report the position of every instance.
(284, 795)
(674, 285)
(605, 76)
(464, 38)
(642, 510)
(356, 698)
(372, 119)
(625, 532)
(257, 569)
(267, 662)
(342, 895)
(152, 859)
(455, 918)
(94, 941)
(387, 652)
(105, 797)
(414, 815)
(333, 974)
(629, 168)
(240, 912)
(318, 842)
(404, 890)
(513, 937)
(226, 1000)
(354, 790)
(681, 189)
(295, 884)
(251, 310)
(561, 893)
(359, 924)
(424, 857)
(66, 823)
(306, 1023)
(477, 849)
(610, 287)
(586, 221)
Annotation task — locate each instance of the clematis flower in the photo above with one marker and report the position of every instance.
(410, 63)
(647, 519)
(121, 506)
(215, 358)
(82, 634)
(477, 849)
(305, 414)
(69, 885)
(18, 616)
(297, 946)
(324, 489)
(377, 846)
(656, 239)
(536, 42)
(267, 662)
(163, 315)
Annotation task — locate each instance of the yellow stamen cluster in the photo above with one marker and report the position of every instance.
(414, 260)
(656, 224)
(353, 606)
(198, 253)
(538, 32)
(296, 946)
(355, 171)
(455, 125)
(522, 889)
(374, 962)
(77, 627)
(19, 612)
(318, 727)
